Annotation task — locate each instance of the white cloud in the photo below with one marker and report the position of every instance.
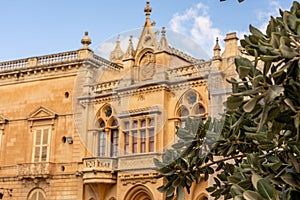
(196, 23)
(105, 48)
(263, 16)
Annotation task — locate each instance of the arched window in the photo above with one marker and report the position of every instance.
(198, 109)
(107, 128)
(190, 106)
(37, 194)
(114, 138)
(101, 139)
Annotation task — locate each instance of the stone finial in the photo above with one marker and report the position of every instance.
(217, 46)
(163, 44)
(117, 53)
(217, 50)
(147, 9)
(130, 50)
(86, 41)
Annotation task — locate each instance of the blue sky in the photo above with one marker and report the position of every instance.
(38, 27)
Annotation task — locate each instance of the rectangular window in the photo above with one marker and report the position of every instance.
(135, 124)
(126, 142)
(143, 141)
(143, 123)
(151, 140)
(41, 144)
(151, 122)
(126, 125)
(114, 142)
(134, 142)
(101, 143)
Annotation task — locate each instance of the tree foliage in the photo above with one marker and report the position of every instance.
(255, 147)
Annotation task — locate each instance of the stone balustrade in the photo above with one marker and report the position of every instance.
(52, 59)
(106, 86)
(190, 70)
(58, 58)
(38, 61)
(99, 163)
(35, 170)
(99, 170)
(13, 65)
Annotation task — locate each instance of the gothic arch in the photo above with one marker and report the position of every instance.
(91, 192)
(139, 192)
(105, 111)
(141, 54)
(192, 100)
(112, 122)
(37, 194)
(103, 115)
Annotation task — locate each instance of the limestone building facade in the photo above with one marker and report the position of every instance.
(74, 125)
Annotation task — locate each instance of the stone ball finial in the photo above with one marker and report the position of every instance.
(86, 41)
(163, 31)
(148, 8)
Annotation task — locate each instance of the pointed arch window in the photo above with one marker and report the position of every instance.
(101, 139)
(107, 130)
(190, 106)
(37, 194)
(114, 139)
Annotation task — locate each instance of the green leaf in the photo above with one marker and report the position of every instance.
(233, 179)
(236, 190)
(290, 179)
(243, 66)
(158, 163)
(233, 102)
(265, 188)
(269, 58)
(273, 92)
(255, 178)
(253, 161)
(238, 197)
(162, 189)
(251, 195)
(170, 192)
(251, 103)
(256, 32)
(286, 51)
(210, 189)
(275, 39)
(176, 182)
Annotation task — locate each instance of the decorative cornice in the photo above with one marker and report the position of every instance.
(139, 111)
(136, 178)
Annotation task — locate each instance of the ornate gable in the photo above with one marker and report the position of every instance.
(42, 113)
(148, 38)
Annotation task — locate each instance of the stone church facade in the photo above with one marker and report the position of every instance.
(74, 125)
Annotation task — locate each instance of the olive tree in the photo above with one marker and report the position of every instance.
(253, 152)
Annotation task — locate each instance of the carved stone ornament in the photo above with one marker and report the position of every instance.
(147, 66)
